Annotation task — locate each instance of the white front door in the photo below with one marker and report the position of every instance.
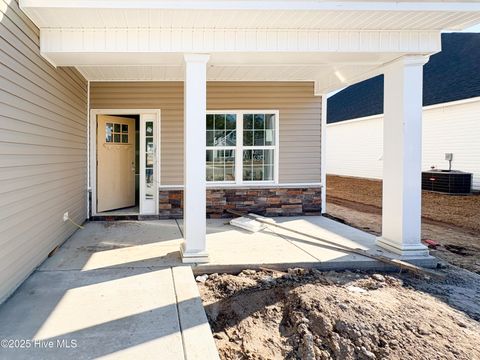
(113, 160)
(115, 163)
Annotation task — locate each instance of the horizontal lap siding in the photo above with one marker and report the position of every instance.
(300, 118)
(300, 121)
(356, 148)
(453, 129)
(43, 126)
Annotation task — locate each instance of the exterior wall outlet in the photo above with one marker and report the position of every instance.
(65, 216)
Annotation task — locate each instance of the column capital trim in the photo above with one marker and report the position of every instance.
(408, 60)
(196, 58)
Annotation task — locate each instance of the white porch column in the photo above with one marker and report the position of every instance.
(402, 157)
(323, 153)
(194, 195)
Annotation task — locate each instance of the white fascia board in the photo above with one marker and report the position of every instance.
(256, 5)
(116, 40)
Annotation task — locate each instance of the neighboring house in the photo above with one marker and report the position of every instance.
(108, 105)
(451, 116)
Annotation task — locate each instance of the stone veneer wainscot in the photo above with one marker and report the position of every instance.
(268, 201)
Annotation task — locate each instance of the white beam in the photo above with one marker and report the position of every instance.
(194, 192)
(121, 41)
(402, 157)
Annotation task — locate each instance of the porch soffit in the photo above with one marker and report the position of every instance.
(254, 14)
(331, 43)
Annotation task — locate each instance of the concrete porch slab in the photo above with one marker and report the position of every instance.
(112, 291)
(232, 249)
(119, 244)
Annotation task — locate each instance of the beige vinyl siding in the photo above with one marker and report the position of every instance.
(43, 151)
(300, 118)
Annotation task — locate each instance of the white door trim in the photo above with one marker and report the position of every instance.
(93, 151)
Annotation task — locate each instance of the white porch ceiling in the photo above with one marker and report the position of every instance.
(333, 43)
(328, 70)
(320, 15)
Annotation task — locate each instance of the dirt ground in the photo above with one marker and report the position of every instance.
(452, 221)
(307, 314)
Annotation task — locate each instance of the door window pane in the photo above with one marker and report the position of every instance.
(109, 132)
(149, 144)
(149, 186)
(149, 128)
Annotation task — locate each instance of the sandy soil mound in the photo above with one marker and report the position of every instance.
(312, 315)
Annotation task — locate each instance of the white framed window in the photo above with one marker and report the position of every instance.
(242, 146)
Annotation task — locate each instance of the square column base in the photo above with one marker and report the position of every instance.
(192, 257)
(416, 250)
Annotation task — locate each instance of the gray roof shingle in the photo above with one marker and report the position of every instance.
(453, 74)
